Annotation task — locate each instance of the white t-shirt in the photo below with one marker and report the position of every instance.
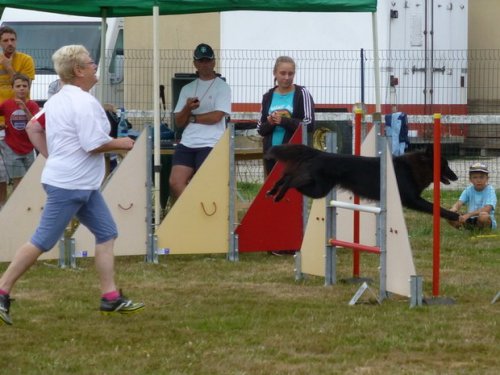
(214, 95)
(75, 125)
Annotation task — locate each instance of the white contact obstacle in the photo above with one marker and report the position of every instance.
(126, 196)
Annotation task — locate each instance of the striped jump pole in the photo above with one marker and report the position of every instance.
(436, 206)
(358, 114)
(436, 220)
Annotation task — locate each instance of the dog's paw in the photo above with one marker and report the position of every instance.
(279, 196)
(270, 194)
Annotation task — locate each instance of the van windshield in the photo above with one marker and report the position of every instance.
(42, 39)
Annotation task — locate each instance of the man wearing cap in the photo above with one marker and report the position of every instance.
(480, 199)
(201, 111)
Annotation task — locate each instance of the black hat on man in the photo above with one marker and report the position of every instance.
(203, 51)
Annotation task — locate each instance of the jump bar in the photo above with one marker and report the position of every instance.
(355, 207)
(355, 246)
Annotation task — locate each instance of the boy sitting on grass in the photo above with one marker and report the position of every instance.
(480, 199)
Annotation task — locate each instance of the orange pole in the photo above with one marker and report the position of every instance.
(357, 246)
(436, 205)
(356, 223)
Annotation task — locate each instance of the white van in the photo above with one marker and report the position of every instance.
(40, 34)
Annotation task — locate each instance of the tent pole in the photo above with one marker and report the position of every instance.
(102, 66)
(376, 61)
(156, 111)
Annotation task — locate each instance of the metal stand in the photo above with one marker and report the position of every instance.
(298, 266)
(362, 289)
(151, 246)
(67, 254)
(416, 298)
(496, 298)
(63, 259)
(233, 253)
(331, 230)
(439, 301)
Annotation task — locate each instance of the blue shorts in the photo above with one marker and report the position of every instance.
(190, 157)
(62, 205)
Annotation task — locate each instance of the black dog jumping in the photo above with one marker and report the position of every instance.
(314, 173)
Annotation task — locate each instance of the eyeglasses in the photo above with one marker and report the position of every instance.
(91, 62)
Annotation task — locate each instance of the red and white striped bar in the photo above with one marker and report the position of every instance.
(355, 207)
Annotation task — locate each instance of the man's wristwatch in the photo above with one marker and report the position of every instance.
(192, 118)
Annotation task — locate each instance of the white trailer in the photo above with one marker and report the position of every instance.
(417, 39)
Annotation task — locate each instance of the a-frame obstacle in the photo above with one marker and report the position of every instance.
(126, 195)
(399, 265)
(198, 222)
(21, 213)
(271, 226)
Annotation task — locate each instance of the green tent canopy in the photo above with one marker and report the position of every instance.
(128, 8)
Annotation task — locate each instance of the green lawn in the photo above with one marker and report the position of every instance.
(206, 315)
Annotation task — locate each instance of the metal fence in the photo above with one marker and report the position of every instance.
(451, 82)
(420, 82)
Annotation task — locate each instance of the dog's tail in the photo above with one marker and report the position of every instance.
(291, 153)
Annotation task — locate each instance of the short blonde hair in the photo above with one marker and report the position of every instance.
(66, 58)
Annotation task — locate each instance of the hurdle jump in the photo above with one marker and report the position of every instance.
(388, 237)
(380, 212)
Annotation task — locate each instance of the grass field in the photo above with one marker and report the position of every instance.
(206, 315)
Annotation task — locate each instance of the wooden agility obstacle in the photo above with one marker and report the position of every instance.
(126, 196)
(269, 225)
(200, 221)
(399, 265)
(125, 193)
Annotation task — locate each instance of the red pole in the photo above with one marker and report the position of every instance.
(356, 224)
(357, 246)
(436, 205)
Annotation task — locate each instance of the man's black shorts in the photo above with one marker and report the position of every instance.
(190, 157)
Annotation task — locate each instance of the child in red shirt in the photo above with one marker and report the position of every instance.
(16, 148)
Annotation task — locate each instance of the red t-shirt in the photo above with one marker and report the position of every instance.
(15, 121)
